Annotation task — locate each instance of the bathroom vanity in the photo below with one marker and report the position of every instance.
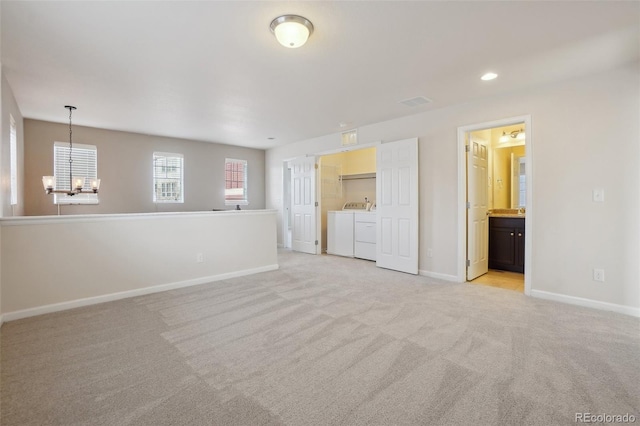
(506, 242)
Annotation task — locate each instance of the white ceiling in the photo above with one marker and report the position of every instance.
(212, 71)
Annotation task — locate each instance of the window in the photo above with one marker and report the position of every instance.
(85, 164)
(13, 153)
(235, 182)
(167, 178)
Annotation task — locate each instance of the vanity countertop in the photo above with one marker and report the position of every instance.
(516, 213)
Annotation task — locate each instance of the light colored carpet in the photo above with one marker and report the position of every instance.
(324, 340)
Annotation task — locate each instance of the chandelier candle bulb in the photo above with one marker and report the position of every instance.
(95, 184)
(78, 183)
(48, 182)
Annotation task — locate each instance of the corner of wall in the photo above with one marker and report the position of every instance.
(1, 132)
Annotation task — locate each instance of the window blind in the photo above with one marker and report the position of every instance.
(85, 164)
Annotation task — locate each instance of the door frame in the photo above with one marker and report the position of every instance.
(318, 183)
(462, 194)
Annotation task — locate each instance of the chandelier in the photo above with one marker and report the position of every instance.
(75, 183)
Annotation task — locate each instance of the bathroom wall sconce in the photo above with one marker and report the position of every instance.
(516, 134)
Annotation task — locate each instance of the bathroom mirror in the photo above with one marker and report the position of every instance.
(509, 179)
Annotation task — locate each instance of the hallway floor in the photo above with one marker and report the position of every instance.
(501, 279)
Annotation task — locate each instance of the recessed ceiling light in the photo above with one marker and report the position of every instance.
(489, 76)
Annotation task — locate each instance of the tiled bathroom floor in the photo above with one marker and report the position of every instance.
(502, 279)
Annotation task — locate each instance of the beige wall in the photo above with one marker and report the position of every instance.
(360, 161)
(125, 167)
(565, 125)
(54, 263)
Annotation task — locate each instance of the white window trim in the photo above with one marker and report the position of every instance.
(153, 171)
(244, 202)
(83, 198)
(13, 154)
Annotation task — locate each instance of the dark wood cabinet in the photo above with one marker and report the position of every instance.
(506, 243)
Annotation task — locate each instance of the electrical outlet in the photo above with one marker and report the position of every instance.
(598, 275)
(429, 252)
(199, 258)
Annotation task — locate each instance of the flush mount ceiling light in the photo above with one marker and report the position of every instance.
(489, 76)
(291, 30)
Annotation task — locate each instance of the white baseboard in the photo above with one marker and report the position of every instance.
(587, 303)
(439, 276)
(63, 306)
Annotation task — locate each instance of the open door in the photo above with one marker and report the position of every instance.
(397, 206)
(477, 208)
(287, 218)
(303, 205)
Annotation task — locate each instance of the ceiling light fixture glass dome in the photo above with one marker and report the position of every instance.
(291, 30)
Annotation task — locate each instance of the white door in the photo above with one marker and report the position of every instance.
(303, 204)
(397, 206)
(477, 208)
(286, 212)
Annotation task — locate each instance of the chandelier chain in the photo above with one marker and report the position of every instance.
(70, 151)
(71, 108)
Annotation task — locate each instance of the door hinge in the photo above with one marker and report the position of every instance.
(467, 148)
(468, 204)
(468, 263)
(315, 166)
(317, 204)
(316, 242)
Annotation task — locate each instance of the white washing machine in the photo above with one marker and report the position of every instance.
(341, 229)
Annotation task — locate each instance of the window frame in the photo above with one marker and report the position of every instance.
(62, 149)
(13, 158)
(245, 192)
(168, 180)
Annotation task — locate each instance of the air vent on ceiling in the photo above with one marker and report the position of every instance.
(417, 101)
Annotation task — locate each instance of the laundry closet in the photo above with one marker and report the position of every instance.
(348, 205)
